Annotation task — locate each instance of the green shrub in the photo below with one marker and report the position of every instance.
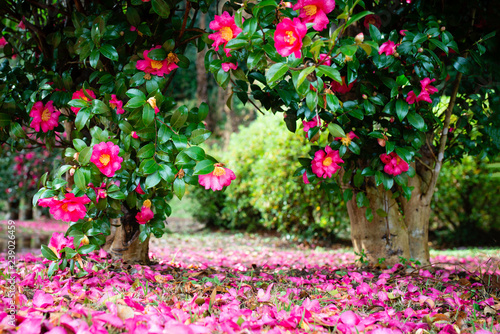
(265, 194)
(465, 206)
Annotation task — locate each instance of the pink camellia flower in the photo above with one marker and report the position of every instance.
(219, 178)
(21, 24)
(81, 95)
(105, 157)
(114, 103)
(157, 67)
(305, 179)
(3, 42)
(58, 241)
(325, 162)
(327, 58)
(132, 28)
(139, 190)
(134, 135)
(315, 11)
(226, 30)
(44, 117)
(403, 32)
(372, 19)
(288, 37)
(394, 165)
(347, 139)
(425, 93)
(341, 88)
(229, 66)
(311, 124)
(389, 48)
(146, 214)
(100, 192)
(70, 209)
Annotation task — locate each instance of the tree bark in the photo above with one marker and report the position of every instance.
(383, 237)
(123, 243)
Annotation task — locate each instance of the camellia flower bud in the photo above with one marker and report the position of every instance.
(85, 241)
(443, 28)
(396, 55)
(122, 33)
(364, 96)
(359, 38)
(76, 155)
(72, 171)
(420, 50)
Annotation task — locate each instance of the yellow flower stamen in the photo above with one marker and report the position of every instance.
(172, 58)
(327, 162)
(156, 64)
(46, 115)
(64, 207)
(147, 204)
(310, 10)
(104, 159)
(289, 38)
(219, 171)
(226, 33)
(346, 140)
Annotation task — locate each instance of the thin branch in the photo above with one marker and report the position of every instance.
(442, 144)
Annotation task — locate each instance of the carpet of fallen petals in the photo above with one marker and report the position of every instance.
(239, 283)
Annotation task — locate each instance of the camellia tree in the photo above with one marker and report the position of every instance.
(376, 99)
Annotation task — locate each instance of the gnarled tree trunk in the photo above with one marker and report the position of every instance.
(403, 233)
(123, 243)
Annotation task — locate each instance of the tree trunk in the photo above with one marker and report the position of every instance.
(383, 237)
(403, 233)
(123, 242)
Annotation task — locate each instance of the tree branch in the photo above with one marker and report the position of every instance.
(426, 198)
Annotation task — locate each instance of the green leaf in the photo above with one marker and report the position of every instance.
(152, 180)
(198, 136)
(381, 213)
(329, 72)
(304, 73)
(354, 148)
(416, 121)
(195, 153)
(134, 92)
(276, 72)
(202, 111)
(401, 109)
(133, 16)
(179, 117)
(204, 167)
(4, 120)
(356, 17)
(81, 118)
(161, 8)
(84, 156)
(361, 199)
(369, 213)
(148, 114)
(99, 107)
(158, 54)
(236, 43)
(48, 253)
(79, 144)
(462, 65)
(109, 51)
(135, 102)
(79, 178)
(179, 188)
(336, 130)
(87, 249)
(146, 151)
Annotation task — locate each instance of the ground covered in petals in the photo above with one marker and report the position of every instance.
(239, 283)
